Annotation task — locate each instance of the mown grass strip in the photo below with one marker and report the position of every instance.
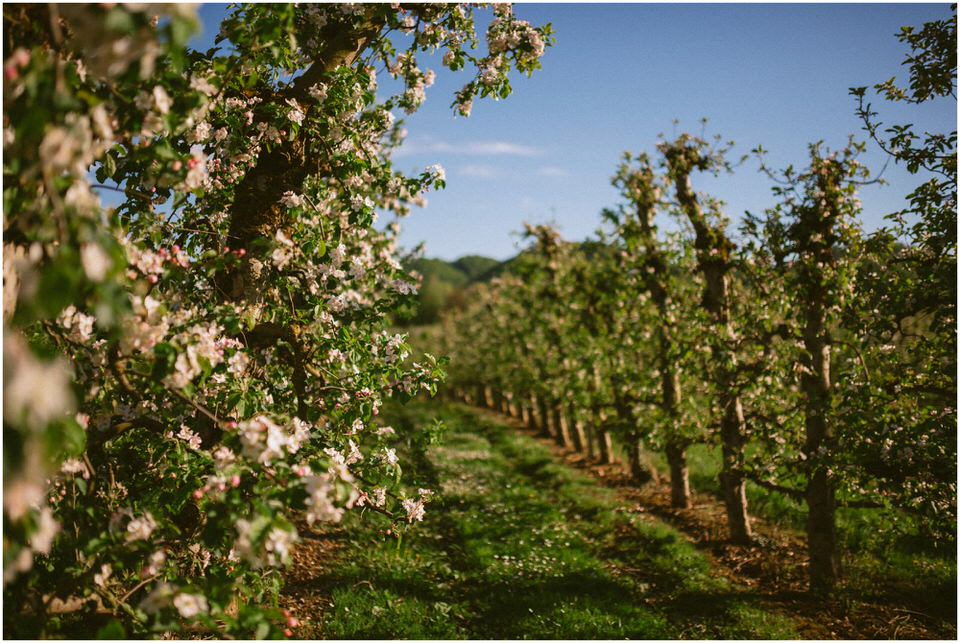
(519, 546)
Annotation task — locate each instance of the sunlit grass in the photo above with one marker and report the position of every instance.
(518, 546)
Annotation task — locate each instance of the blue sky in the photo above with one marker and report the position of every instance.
(619, 75)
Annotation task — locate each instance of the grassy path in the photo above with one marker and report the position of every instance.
(517, 546)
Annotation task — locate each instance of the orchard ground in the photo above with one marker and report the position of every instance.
(527, 541)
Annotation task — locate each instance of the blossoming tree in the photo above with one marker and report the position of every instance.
(186, 370)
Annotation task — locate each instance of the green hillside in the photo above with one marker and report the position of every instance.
(441, 279)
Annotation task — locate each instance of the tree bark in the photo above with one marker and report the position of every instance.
(676, 447)
(562, 435)
(641, 470)
(532, 411)
(581, 440)
(605, 440)
(656, 275)
(679, 477)
(732, 481)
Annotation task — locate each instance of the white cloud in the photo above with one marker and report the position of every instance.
(479, 171)
(500, 148)
(551, 170)
(470, 148)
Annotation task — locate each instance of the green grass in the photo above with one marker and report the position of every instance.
(518, 546)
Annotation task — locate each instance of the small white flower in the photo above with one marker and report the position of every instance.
(42, 538)
(203, 85)
(74, 466)
(162, 100)
(390, 455)
(141, 528)
(190, 437)
(296, 114)
(189, 605)
(96, 262)
(291, 200)
(238, 362)
(79, 325)
(415, 510)
(318, 92)
(100, 579)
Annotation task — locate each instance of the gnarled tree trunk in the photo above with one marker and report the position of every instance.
(256, 211)
(713, 255)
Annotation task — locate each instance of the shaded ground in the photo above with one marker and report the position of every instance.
(526, 541)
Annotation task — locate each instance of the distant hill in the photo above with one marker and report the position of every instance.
(443, 278)
(474, 266)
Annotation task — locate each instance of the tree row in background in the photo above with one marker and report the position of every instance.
(821, 361)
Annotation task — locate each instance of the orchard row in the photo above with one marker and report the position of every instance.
(821, 360)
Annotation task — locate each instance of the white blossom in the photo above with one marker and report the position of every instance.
(190, 605)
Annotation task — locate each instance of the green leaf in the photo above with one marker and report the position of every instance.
(119, 20)
(112, 631)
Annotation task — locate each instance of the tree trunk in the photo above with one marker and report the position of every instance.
(532, 409)
(676, 448)
(497, 400)
(605, 440)
(544, 409)
(562, 434)
(581, 440)
(821, 492)
(731, 477)
(679, 476)
(640, 468)
(656, 271)
(593, 442)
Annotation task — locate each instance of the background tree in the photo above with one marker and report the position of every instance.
(683, 157)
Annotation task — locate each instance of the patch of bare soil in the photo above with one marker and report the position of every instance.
(308, 583)
(774, 567)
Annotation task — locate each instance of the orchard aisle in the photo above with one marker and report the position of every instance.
(517, 545)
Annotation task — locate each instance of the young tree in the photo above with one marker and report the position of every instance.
(643, 254)
(814, 237)
(901, 428)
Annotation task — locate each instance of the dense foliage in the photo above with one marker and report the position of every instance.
(187, 371)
